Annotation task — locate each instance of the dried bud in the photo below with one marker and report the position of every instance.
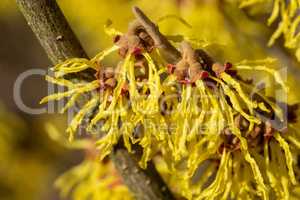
(137, 51)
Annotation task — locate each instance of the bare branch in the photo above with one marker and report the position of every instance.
(52, 29)
(151, 185)
(170, 53)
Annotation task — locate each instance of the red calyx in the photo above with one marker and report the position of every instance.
(185, 81)
(171, 68)
(200, 76)
(203, 75)
(137, 51)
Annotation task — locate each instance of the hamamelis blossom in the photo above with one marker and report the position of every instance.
(287, 13)
(93, 180)
(218, 138)
(90, 179)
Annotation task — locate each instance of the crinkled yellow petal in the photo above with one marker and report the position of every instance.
(288, 156)
(76, 121)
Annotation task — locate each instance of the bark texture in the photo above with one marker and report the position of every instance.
(150, 184)
(52, 29)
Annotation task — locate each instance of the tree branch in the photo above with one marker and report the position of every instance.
(52, 29)
(170, 53)
(151, 185)
(60, 43)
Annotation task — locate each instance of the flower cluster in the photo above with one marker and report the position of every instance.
(218, 136)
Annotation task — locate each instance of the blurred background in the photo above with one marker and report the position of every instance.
(29, 160)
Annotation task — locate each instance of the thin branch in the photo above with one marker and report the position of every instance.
(151, 185)
(52, 29)
(60, 43)
(171, 54)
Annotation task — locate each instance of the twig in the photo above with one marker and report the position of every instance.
(52, 29)
(151, 185)
(170, 53)
(60, 43)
